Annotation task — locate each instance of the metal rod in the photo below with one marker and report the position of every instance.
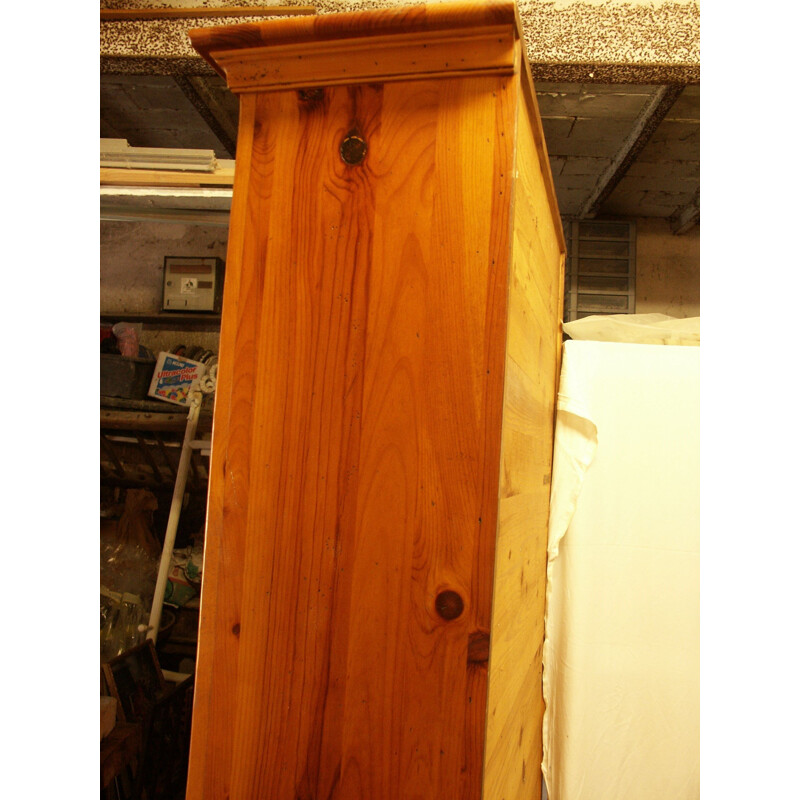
(174, 516)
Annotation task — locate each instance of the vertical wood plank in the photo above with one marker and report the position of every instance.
(515, 707)
(215, 676)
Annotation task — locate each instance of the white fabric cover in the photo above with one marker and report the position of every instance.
(639, 328)
(621, 653)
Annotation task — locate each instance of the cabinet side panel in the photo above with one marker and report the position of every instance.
(515, 707)
(357, 449)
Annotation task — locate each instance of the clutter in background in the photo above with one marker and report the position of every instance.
(128, 370)
(127, 339)
(122, 339)
(129, 554)
(185, 574)
(125, 365)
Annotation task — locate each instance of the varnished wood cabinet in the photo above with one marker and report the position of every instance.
(373, 589)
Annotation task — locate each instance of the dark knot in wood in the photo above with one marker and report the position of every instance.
(449, 604)
(478, 647)
(313, 95)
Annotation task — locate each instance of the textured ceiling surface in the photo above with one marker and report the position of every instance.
(618, 147)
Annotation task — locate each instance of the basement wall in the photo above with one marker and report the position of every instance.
(667, 270)
(132, 268)
(132, 263)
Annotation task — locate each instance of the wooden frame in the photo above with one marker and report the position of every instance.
(373, 588)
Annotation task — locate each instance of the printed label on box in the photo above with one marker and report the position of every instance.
(175, 378)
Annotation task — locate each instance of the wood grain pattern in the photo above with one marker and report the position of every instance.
(387, 327)
(228, 476)
(360, 474)
(513, 732)
(118, 176)
(455, 18)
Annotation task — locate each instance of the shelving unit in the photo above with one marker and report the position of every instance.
(140, 447)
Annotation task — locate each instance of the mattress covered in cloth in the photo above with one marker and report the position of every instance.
(621, 653)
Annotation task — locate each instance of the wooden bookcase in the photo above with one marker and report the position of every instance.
(373, 589)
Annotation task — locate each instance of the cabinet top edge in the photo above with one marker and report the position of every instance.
(449, 19)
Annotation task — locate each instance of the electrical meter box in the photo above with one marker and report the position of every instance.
(193, 284)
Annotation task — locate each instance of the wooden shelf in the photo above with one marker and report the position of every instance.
(179, 321)
(140, 445)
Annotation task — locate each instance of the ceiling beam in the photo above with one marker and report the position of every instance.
(195, 89)
(684, 219)
(642, 129)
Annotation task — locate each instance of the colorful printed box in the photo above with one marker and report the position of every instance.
(174, 378)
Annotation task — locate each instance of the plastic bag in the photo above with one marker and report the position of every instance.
(127, 339)
(129, 558)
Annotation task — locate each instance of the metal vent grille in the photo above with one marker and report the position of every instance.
(601, 268)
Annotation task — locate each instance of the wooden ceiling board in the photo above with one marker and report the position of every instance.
(673, 141)
(584, 137)
(642, 203)
(584, 183)
(152, 111)
(585, 165)
(669, 182)
(687, 106)
(655, 169)
(593, 102)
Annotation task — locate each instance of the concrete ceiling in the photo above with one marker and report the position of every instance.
(618, 148)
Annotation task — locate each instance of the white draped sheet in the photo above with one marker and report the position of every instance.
(621, 653)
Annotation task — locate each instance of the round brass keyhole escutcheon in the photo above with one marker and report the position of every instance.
(449, 604)
(353, 149)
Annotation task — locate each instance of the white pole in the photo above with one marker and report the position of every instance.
(174, 515)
